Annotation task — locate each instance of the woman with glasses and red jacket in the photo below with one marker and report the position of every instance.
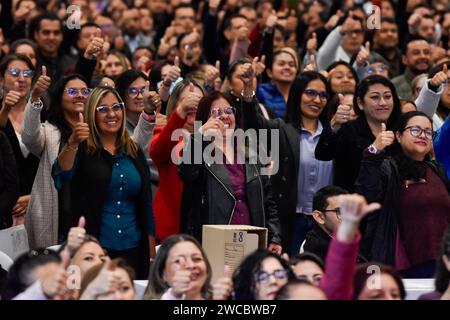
(415, 195)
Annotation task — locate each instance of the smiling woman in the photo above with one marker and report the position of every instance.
(107, 174)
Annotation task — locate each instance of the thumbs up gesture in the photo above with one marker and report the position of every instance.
(76, 236)
(342, 114)
(173, 74)
(311, 45)
(441, 77)
(224, 285)
(79, 133)
(181, 281)
(13, 97)
(384, 139)
(363, 55)
(189, 103)
(106, 282)
(41, 85)
(54, 282)
(95, 46)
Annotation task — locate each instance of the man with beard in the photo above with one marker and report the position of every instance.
(417, 60)
(385, 43)
(131, 29)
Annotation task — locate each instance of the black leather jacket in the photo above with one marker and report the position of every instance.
(208, 198)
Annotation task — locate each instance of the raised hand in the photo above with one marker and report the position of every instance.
(173, 74)
(260, 66)
(363, 55)
(332, 22)
(224, 285)
(181, 282)
(275, 248)
(342, 114)
(441, 77)
(95, 47)
(189, 103)
(311, 45)
(106, 282)
(79, 133)
(211, 127)
(41, 86)
(384, 139)
(271, 20)
(312, 64)
(13, 97)
(152, 100)
(76, 235)
(54, 285)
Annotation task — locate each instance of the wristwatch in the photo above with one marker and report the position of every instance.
(247, 97)
(372, 149)
(37, 104)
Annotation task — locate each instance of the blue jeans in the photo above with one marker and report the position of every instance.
(302, 225)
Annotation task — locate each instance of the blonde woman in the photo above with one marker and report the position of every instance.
(109, 181)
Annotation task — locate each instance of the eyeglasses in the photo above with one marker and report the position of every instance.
(217, 112)
(312, 94)
(278, 274)
(337, 211)
(73, 92)
(417, 132)
(134, 92)
(373, 70)
(15, 72)
(115, 108)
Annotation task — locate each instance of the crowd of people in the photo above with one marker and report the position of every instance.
(110, 108)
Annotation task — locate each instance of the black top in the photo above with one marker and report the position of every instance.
(27, 167)
(9, 182)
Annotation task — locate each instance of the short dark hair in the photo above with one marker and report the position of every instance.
(183, 6)
(19, 276)
(227, 24)
(35, 24)
(307, 256)
(244, 275)
(320, 200)
(126, 79)
(23, 41)
(283, 293)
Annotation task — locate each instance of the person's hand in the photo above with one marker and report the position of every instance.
(142, 63)
(311, 66)
(79, 133)
(363, 55)
(106, 282)
(212, 72)
(224, 285)
(54, 285)
(189, 103)
(76, 235)
(20, 208)
(181, 282)
(152, 100)
(173, 74)
(311, 45)
(275, 248)
(271, 20)
(212, 127)
(348, 24)
(95, 47)
(384, 139)
(414, 22)
(242, 33)
(291, 22)
(260, 65)
(12, 97)
(41, 86)
(341, 116)
(332, 22)
(440, 77)
(248, 72)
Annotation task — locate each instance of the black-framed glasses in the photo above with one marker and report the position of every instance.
(134, 92)
(15, 72)
(116, 107)
(337, 211)
(73, 92)
(373, 70)
(278, 274)
(217, 112)
(312, 94)
(416, 132)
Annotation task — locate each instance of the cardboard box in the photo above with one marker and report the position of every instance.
(229, 244)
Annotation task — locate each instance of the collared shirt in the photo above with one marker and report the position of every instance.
(313, 174)
(119, 227)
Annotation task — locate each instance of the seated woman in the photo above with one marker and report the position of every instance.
(109, 181)
(120, 286)
(231, 190)
(308, 266)
(181, 270)
(415, 194)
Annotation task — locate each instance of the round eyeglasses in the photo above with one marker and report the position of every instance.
(73, 92)
(416, 132)
(116, 107)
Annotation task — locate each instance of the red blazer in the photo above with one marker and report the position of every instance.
(167, 201)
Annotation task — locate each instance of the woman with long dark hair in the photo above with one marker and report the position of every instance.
(375, 102)
(415, 194)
